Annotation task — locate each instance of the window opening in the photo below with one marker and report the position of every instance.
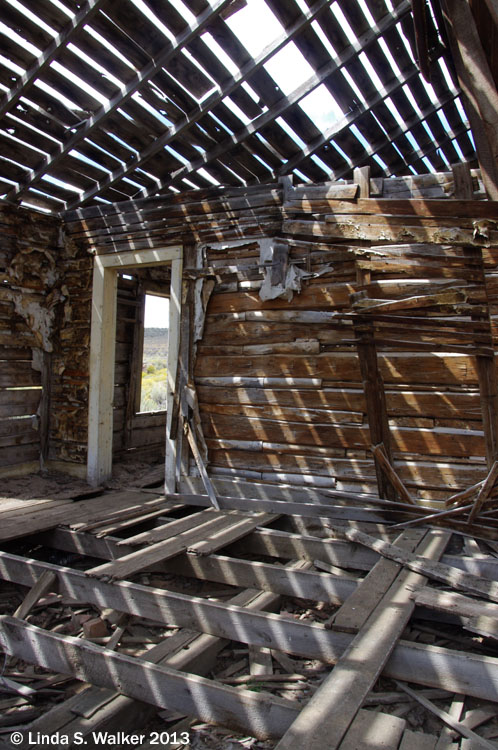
(155, 354)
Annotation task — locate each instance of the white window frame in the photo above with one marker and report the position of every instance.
(102, 354)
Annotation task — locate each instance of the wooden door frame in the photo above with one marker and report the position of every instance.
(102, 353)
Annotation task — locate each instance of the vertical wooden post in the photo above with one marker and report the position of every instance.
(102, 356)
(373, 387)
(361, 177)
(134, 385)
(478, 87)
(186, 351)
(46, 383)
(175, 305)
(486, 368)
(462, 180)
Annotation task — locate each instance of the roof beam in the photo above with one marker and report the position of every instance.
(278, 109)
(59, 42)
(419, 154)
(478, 87)
(353, 117)
(121, 97)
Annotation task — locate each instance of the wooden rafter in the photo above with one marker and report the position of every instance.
(350, 119)
(96, 120)
(478, 88)
(41, 63)
(280, 108)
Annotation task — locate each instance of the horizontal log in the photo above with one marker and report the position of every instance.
(437, 441)
(443, 404)
(18, 374)
(329, 297)
(260, 382)
(274, 412)
(414, 473)
(447, 368)
(292, 347)
(19, 454)
(237, 332)
(392, 233)
(18, 402)
(391, 207)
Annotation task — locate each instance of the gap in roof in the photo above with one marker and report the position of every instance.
(289, 68)
(228, 102)
(25, 204)
(61, 184)
(344, 23)
(182, 9)
(107, 45)
(32, 17)
(301, 176)
(457, 148)
(19, 40)
(86, 160)
(83, 85)
(220, 53)
(63, 8)
(321, 107)
(249, 90)
(29, 126)
(290, 132)
(255, 26)
(95, 65)
(155, 21)
(138, 98)
(207, 176)
(316, 159)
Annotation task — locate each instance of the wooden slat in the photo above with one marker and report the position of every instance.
(333, 707)
(219, 568)
(160, 685)
(436, 667)
(437, 571)
(203, 538)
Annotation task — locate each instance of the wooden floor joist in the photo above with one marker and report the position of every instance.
(332, 709)
(362, 639)
(434, 667)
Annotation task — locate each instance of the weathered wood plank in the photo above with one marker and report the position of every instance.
(160, 685)
(436, 667)
(438, 571)
(333, 707)
(163, 550)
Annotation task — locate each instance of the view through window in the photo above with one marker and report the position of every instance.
(155, 353)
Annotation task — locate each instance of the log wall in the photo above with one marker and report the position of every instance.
(279, 382)
(29, 298)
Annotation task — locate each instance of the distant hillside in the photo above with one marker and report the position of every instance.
(155, 346)
(153, 395)
(150, 333)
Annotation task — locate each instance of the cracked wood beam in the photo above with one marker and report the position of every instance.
(59, 42)
(280, 108)
(373, 386)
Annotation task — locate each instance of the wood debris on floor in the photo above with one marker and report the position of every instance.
(261, 625)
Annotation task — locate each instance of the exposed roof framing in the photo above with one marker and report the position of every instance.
(35, 71)
(107, 101)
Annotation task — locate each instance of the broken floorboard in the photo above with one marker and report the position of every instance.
(440, 668)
